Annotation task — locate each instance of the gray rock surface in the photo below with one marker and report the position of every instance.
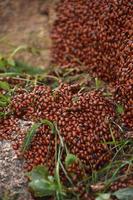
(13, 184)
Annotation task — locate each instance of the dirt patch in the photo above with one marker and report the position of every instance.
(26, 24)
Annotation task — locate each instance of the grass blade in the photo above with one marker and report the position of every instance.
(49, 123)
(29, 137)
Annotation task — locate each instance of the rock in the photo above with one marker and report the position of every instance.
(13, 183)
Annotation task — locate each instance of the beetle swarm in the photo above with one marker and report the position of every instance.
(83, 120)
(124, 85)
(92, 34)
(95, 36)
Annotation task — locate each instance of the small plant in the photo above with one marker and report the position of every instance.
(124, 194)
(42, 184)
(121, 194)
(4, 85)
(104, 196)
(119, 109)
(70, 159)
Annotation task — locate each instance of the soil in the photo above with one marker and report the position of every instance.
(26, 25)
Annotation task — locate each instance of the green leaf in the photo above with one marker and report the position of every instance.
(41, 183)
(29, 137)
(42, 187)
(104, 196)
(70, 159)
(49, 123)
(4, 85)
(98, 83)
(3, 104)
(4, 100)
(2, 114)
(38, 172)
(3, 62)
(120, 109)
(124, 194)
(10, 62)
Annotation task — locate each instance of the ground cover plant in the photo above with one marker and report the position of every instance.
(72, 123)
